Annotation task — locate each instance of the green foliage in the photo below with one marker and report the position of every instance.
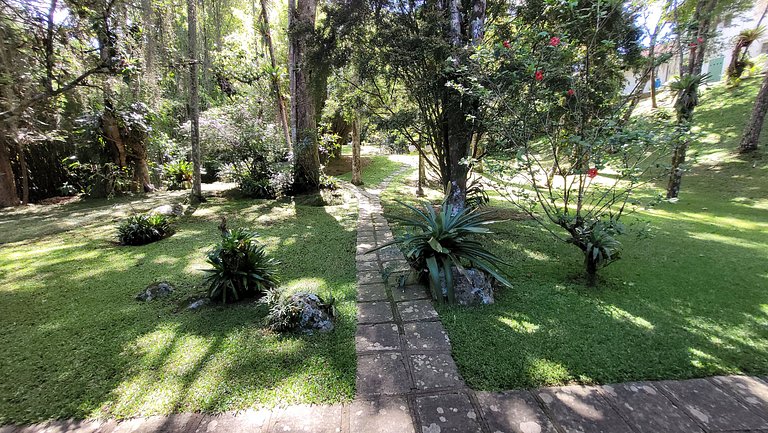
(687, 94)
(437, 241)
(144, 229)
(598, 241)
(285, 310)
(178, 174)
(240, 267)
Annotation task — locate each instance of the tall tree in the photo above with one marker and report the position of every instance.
(194, 99)
(275, 76)
(752, 131)
(306, 157)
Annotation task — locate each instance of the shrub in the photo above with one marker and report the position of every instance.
(240, 267)
(144, 229)
(289, 312)
(329, 183)
(597, 239)
(437, 241)
(178, 175)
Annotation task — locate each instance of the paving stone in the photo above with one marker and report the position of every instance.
(416, 310)
(365, 247)
(647, 409)
(381, 415)
(410, 293)
(308, 419)
(177, 423)
(372, 257)
(435, 370)
(382, 373)
(390, 253)
(371, 292)
(9, 429)
(448, 413)
(379, 337)
(374, 312)
(369, 277)
(368, 266)
(581, 409)
(426, 336)
(63, 426)
(711, 406)
(751, 391)
(514, 412)
(249, 421)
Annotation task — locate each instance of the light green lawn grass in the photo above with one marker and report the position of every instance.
(74, 343)
(380, 167)
(689, 302)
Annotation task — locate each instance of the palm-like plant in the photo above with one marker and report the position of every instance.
(687, 98)
(240, 267)
(739, 57)
(437, 241)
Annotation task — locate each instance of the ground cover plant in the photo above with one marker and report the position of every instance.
(78, 345)
(687, 302)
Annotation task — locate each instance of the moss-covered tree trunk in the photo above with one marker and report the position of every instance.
(306, 158)
(357, 168)
(752, 131)
(8, 194)
(194, 100)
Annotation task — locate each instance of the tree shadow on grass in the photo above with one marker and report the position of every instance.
(78, 345)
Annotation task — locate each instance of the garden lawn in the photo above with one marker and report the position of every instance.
(691, 301)
(75, 343)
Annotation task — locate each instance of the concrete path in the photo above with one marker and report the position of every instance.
(407, 381)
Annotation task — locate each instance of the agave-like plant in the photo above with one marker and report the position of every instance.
(687, 98)
(240, 267)
(437, 241)
(144, 229)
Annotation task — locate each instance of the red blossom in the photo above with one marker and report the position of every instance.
(571, 92)
(554, 41)
(592, 173)
(692, 45)
(539, 75)
(506, 44)
(700, 40)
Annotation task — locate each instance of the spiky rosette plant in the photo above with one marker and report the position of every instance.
(240, 267)
(437, 241)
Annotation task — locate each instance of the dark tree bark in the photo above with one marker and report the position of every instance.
(8, 194)
(357, 168)
(280, 99)
(752, 131)
(194, 99)
(306, 158)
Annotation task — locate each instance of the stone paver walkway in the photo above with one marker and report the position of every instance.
(407, 381)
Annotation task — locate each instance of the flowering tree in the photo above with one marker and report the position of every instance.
(561, 152)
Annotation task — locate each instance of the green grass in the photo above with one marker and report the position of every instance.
(74, 343)
(691, 301)
(376, 171)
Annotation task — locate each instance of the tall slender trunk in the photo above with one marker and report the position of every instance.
(752, 130)
(652, 63)
(422, 176)
(676, 176)
(194, 102)
(280, 99)
(306, 158)
(357, 168)
(8, 194)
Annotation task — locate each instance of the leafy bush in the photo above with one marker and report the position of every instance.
(329, 182)
(240, 267)
(597, 239)
(437, 241)
(286, 312)
(144, 229)
(178, 175)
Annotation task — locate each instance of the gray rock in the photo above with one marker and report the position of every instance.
(316, 315)
(473, 287)
(198, 304)
(154, 291)
(175, 209)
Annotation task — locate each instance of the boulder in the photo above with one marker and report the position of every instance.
(473, 287)
(171, 210)
(196, 305)
(154, 291)
(316, 315)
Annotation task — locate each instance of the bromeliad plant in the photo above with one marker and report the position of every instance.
(240, 267)
(144, 229)
(436, 242)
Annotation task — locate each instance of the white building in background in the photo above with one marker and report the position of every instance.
(719, 51)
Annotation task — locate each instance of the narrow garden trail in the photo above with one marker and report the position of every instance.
(408, 382)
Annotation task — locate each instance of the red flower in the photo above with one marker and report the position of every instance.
(571, 92)
(506, 44)
(700, 40)
(539, 75)
(692, 45)
(554, 41)
(592, 173)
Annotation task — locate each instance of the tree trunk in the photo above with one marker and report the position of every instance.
(752, 131)
(24, 173)
(676, 175)
(280, 99)
(652, 64)
(357, 168)
(141, 178)
(194, 102)
(8, 194)
(306, 159)
(422, 177)
(111, 129)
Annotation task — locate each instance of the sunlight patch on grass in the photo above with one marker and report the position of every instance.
(619, 314)
(519, 325)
